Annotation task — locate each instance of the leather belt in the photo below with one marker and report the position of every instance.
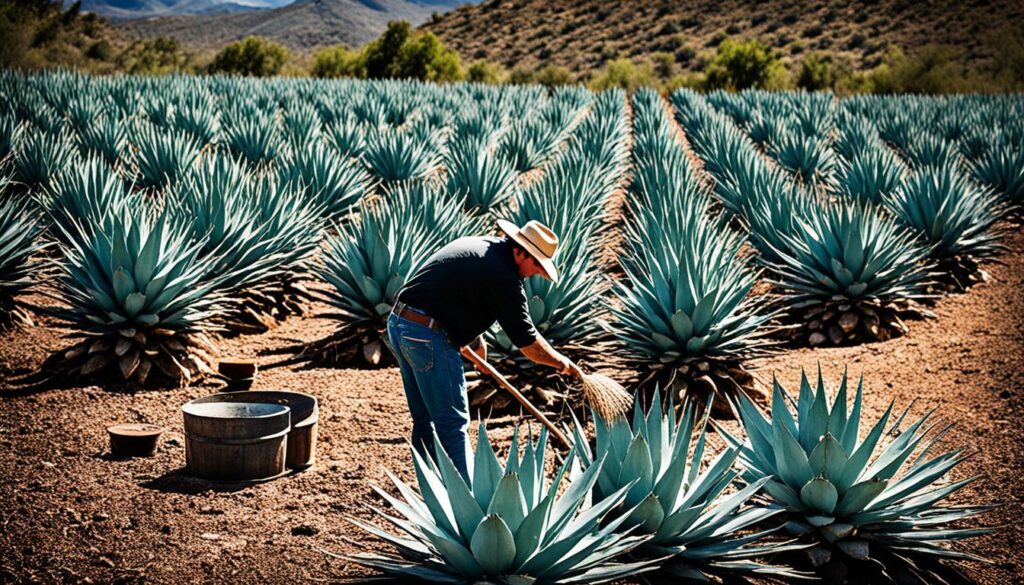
(410, 314)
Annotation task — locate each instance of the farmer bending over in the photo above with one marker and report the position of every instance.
(447, 305)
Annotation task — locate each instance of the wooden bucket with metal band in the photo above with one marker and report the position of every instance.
(305, 416)
(236, 441)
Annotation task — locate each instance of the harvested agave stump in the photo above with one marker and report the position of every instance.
(132, 356)
(845, 323)
(709, 380)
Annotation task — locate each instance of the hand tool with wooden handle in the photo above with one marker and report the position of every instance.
(482, 364)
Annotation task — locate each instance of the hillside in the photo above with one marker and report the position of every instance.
(126, 9)
(299, 26)
(583, 34)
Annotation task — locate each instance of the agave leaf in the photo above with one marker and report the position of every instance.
(820, 495)
(790, 459)
(859, 496)
(637, 465)
(828, 459)
(493, 545)
(508, 501)
(465, 509)
(531, 531)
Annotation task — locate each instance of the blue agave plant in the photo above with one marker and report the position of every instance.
(504, 524)
(874, 495)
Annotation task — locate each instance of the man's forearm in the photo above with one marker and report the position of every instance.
(541, 352)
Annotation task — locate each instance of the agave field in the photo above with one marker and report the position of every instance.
(161, 223)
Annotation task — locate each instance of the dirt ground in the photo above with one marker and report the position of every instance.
(70, 513)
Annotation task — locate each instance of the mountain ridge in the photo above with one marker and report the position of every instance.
(119, 10)
(302, 25)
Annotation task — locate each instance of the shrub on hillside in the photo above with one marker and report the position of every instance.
(337, 61)
(931, 70)
(38, 34)
(156, 56)
(252, 56)
(625, 74)
(553, 75)
(817, 72)
(426, 58)
(380, 55)
(743, 65)
(398, 53)
(485, 72)
(520, 75)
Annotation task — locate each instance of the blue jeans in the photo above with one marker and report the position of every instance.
(435, 387)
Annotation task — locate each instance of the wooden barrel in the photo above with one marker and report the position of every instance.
(305, 416)
(236, 441)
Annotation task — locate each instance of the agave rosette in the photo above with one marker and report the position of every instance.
(138, 295)
(503, 524)
(162, 157)
(346, 136)
(368, 261)
(698, 526)
(876, 496)
(335, 182)
(870, 176)
(42, 156)
(1002, 169)
(393, 156)
(200, 118)
(20, 243)
(927, 150)
(253, 134)
(220, 202)
(106, 136)
(86, 195)
(11, 130)
(810, 158)
(954, 216)
(481, 179)
(686, 305)
(302, 124)
(857, 135)
(297, 225)
(847, 271)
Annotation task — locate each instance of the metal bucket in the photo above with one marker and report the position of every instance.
(236, 441)
(305, 416)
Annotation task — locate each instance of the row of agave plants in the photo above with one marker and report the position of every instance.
(351, 185)
(849, 252)
(814, 485)
(162, 221)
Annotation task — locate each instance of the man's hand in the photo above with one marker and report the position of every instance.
(571, 369)
(541, 352)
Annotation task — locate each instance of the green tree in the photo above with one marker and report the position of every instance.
(380, 55)
(425, 57)
(664, 64)
(520, 76)
(931, 70)
(252, 56)
(485, 72)
(553, 75)
(743, 65)
(100, 51)
(625, 74)
(337, 61)
(817, 72)
(156, 56)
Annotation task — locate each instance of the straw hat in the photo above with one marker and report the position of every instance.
(537, 239)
